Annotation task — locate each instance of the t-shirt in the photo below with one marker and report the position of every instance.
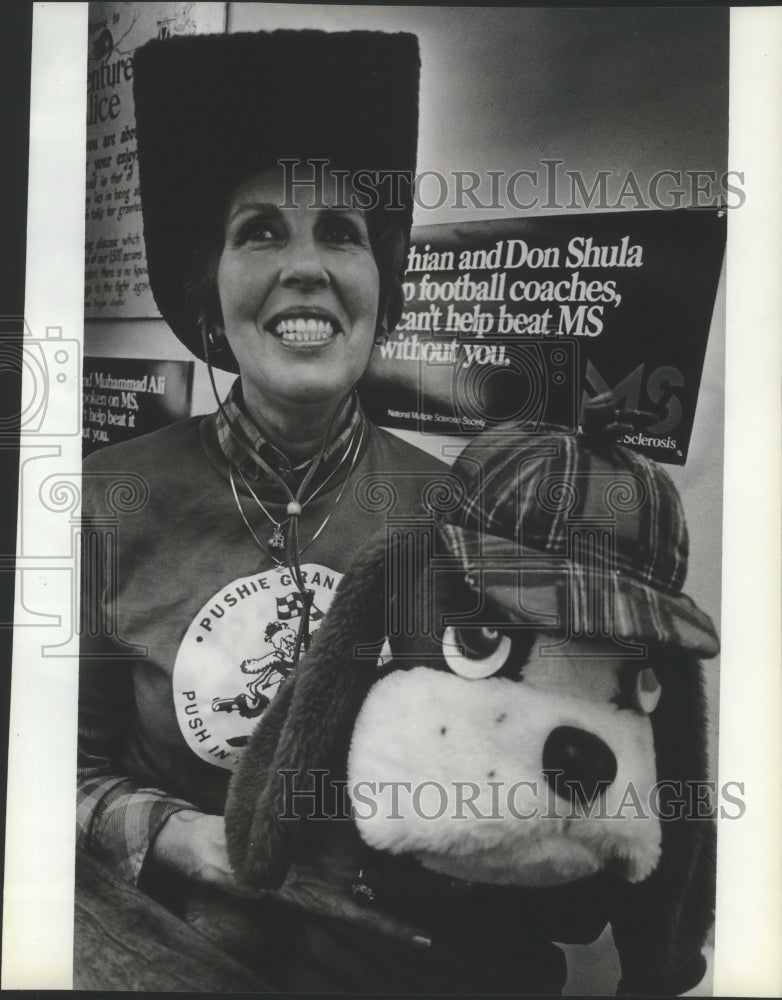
(189, 622)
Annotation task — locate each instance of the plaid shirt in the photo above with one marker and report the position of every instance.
(117, 818)
(237, 419)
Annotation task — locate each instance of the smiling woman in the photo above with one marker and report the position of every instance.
(219, 569)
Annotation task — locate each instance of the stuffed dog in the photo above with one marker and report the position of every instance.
(524, 766)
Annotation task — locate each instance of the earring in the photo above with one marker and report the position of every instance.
(381, 336)
(216, 338)
(212, 337)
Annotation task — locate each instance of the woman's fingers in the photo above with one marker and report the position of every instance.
(194, 845)
(306, 889)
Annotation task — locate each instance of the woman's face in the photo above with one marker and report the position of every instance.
(299, 292)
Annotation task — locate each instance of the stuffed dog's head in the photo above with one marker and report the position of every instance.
(543, 679)
(509, 756)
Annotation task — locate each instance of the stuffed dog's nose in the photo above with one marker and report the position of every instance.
(577, 764)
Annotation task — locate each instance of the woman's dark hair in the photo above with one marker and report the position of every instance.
(202, 299)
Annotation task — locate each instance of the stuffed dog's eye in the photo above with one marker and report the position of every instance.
(647, 690)
(475, 653)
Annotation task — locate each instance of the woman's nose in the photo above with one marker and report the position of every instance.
(303, 265)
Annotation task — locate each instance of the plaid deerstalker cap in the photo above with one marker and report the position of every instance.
(211, 110)
(564, 530)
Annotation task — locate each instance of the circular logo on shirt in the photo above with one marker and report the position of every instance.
(236, 653)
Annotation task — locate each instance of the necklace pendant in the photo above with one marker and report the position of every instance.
(277, 540)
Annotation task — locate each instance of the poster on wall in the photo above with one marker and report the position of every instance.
(522, 319)
(123, 398)
(115, 270)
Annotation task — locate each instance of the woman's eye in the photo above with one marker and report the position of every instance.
(256, 232)
(475, 653)
(341, 231)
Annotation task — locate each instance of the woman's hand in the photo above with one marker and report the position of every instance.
(192, 844)
(306, 886)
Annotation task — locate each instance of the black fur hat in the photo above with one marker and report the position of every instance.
(213, 109)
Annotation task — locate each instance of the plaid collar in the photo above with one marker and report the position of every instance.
(242, 424)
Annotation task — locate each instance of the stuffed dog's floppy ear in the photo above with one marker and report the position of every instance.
(660, 925)
(306, 725)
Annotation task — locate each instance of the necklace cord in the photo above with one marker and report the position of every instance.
(353, 452)
(293, 551)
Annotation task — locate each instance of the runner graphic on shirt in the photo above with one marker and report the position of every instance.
(271, 669)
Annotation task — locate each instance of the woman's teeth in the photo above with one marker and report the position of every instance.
(302, 330)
